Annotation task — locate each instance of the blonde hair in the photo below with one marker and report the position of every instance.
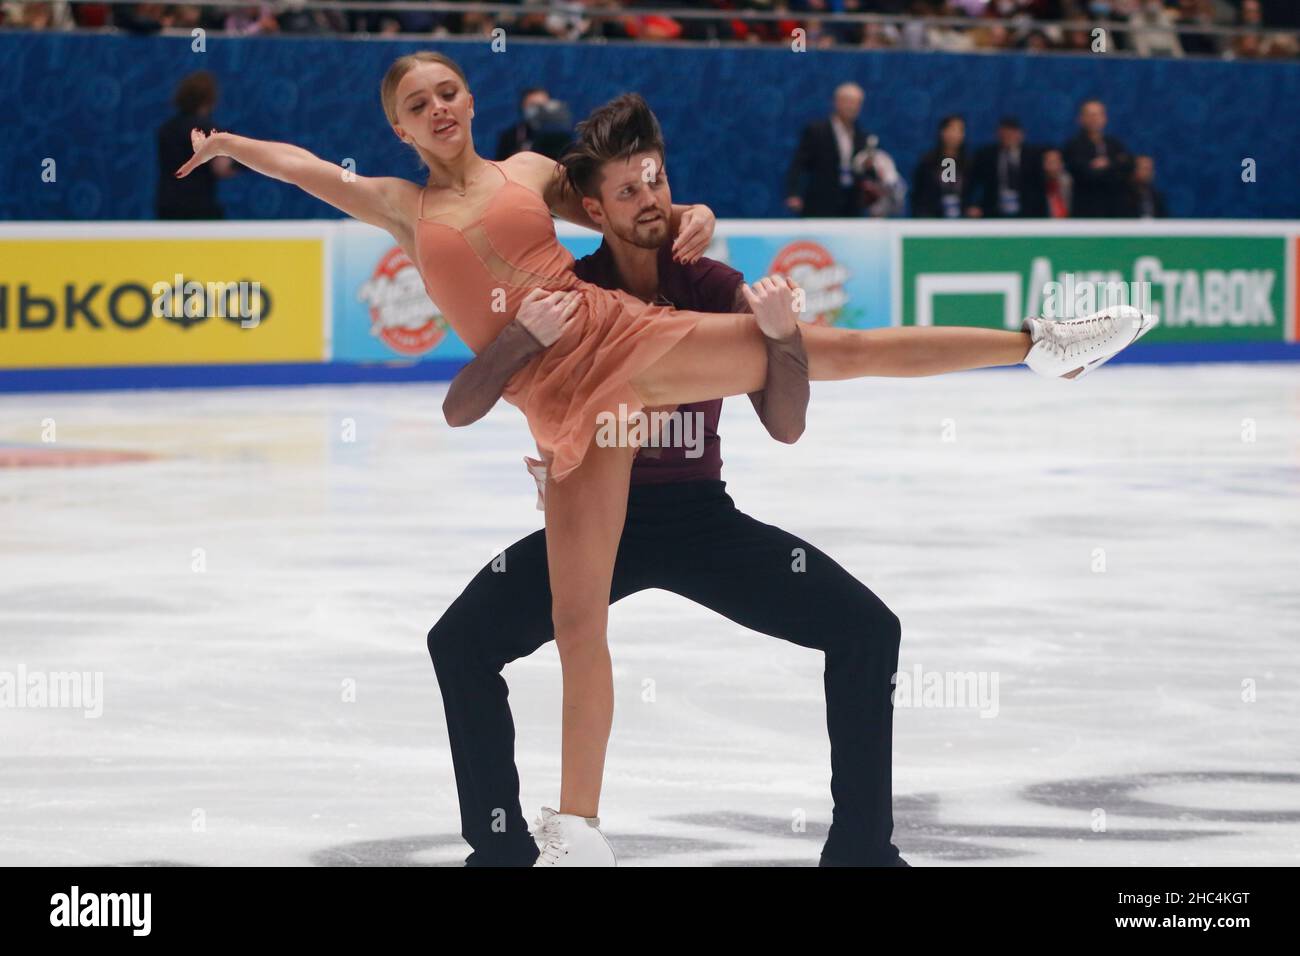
(404, 65)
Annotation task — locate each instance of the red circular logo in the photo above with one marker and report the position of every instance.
(400, 311)
(821, 278)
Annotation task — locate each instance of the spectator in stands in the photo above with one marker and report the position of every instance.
(941, 183)
(607, 22)
(564, 19)
(195, 196)
(1142, 26)
(942, 36)
(1035, 41)
(252, 20)
(415, 21)
(912, 34)
(1248, 46)
(1007, 177)
(1100, 165)
(296, 18)
(772, 31)
(991, 37)
(91, 16)
(544, 126)
(1077, 41)
(817, 35)
(1197, 13)
(38, 16)
(884, 191)
(1010, 9)
(482, 24)
(844, 34)
(1057, 185)
(820, 181)
(1019, 35)
(701, 30)
(1257, 44)
(1144, 200)
(879, 36)
(186, 16)
(1158, 37)
(519, 137)
(142, 18)
(382, 22)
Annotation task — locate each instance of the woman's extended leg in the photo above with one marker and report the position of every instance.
(724, 355)
(584, 521)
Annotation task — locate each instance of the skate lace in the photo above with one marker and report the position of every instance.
(553, 844)
(1079, 335)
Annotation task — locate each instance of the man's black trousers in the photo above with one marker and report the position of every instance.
(688, 538)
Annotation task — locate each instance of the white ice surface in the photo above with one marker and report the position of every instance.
(327, 561)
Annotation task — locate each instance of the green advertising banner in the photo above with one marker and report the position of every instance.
(1204, 288)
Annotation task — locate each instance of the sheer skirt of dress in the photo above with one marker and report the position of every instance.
(569, 389)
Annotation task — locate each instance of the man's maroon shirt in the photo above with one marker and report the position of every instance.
(704, 286)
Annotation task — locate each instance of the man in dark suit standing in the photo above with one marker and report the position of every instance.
(1101, 166)
(1007, 179)
(821, 180)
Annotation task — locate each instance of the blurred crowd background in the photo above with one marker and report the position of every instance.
(842, 170)
(1249, 29)
(757, 129)
(838, 170)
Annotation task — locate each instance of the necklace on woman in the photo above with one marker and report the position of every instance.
(468, 182)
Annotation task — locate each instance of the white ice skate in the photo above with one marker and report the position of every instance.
(1071, 348)
(568, 840)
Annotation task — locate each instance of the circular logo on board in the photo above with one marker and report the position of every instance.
(822, 279)
(401, 314)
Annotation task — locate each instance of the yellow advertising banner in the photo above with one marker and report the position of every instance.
(69, 302)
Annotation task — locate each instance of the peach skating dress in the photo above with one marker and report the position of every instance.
(478, 273)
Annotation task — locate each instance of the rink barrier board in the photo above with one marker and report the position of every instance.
(376, 324)
(344, 373)
(221, 376)
(119, 300)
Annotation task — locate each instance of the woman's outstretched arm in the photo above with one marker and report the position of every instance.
(384, 201)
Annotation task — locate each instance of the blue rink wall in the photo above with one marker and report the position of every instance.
(80, 306)
(731, 115)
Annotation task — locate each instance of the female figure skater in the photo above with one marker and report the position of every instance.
(482, 237)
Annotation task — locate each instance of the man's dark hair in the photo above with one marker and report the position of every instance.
(619, 129)
(1010, 122)
(194, 92)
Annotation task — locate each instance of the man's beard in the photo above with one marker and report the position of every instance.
(645, 236)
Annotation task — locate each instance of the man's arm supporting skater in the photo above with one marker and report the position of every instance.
(479, 385)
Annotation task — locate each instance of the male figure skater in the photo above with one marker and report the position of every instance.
(683, 534)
